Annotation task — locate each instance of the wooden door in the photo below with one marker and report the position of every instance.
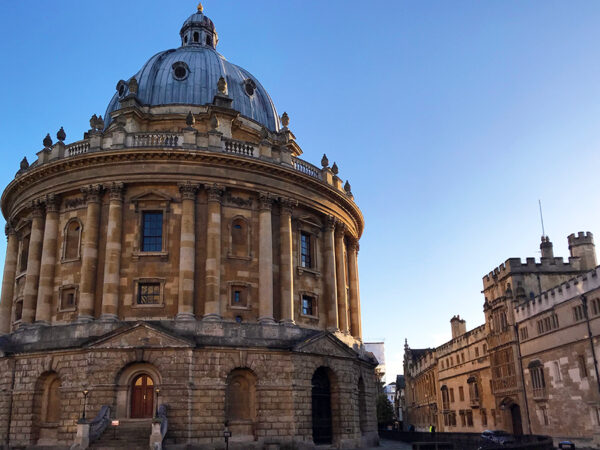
(142, 397)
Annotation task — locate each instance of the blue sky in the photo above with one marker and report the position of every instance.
(450, 119)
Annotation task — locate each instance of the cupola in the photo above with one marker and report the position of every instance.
(199, 30)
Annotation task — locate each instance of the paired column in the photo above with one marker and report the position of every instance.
(112, 258)
(212, 308)
(43, 312)
(32, 276)
(286, 267)
(265, 260)
(340, 276)
(89, 257)
(355, 325)
(329, 272)
(8, 281)
(187, 251)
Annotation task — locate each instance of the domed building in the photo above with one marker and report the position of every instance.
(181, 276)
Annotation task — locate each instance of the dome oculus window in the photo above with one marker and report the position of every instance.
(121, 87)
(249, 87)
(180, 71)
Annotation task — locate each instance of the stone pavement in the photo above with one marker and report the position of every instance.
(391, 445)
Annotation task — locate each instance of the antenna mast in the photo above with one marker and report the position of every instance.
(542, 218)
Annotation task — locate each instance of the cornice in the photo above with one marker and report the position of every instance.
(100, 158)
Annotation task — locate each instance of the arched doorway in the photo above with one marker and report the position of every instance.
(321, 407)
(515, 414)
(142, 397)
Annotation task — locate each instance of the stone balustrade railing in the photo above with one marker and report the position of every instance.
(155, 140)
(306, 168)
(238, 147)
(78, 148)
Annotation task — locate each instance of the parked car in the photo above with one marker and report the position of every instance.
(498, 437)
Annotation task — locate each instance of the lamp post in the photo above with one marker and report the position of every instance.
(85, 394)
(157, 396)
(226, 434)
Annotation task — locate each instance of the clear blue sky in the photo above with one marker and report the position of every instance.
(450, 120)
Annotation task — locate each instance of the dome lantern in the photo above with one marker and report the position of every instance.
(199, 30)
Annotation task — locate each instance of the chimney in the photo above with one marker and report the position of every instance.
(459, 326)
(546, 248)
(582, 246)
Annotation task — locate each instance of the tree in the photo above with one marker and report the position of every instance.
(385, 411)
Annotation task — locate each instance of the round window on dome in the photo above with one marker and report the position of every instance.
(180, 71)
(249, 87)
(121, 88)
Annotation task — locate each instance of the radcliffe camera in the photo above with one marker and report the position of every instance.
(184, 229)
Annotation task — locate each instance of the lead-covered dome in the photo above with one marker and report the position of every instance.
(189, 76)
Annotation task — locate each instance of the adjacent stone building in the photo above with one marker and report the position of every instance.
(532, 367)
(182, 261)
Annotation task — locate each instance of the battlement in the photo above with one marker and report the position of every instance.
(565, 291)
(582, 238)
(461, 341)
(516, 265)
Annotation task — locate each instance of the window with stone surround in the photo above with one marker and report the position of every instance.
(305, 250)
(152, 234)
(152, 228)
(524, 333)
(461, 394)
(308, 304)
(18, 310)
(469, 416)
(71, 241)
(483, 417)
(583, 371)
(473, 390)
(239, 295)
(538, 382)
(24, 254)
(451, 395)
(463, 420)
(68, 298)
(445, 398)
(240, 400)
(239, 238)
(307, 246)
(578, 314)
(548, 323)
(595, 306)
(149, 292)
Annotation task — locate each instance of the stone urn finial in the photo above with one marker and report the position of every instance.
(285, 119)
(61, 135)
(190, 120)
(335, 169)
(324, 161)
(347, 187)
(133, 86)
(24, 163)
(47, 141)
(222, 86)
(214, 122)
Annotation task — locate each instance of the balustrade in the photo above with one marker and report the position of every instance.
(238, 147)
(78, 148)
(155, 140)
(306, 168)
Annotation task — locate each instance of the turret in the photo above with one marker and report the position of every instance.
(459, 326)
(546, 248)
(582, 246)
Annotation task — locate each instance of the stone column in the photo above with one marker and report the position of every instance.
(8, 281)
(43, 313)
(265, 260)
(212, 305)
(34, 257)
(329, 275)
(89, 254)
(340, 265)
(187, 251)
(112, 256)
(286, 266)
(355, 325)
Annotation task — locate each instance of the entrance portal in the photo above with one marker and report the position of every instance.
(142, 397)
(515, 413)
(321, 407)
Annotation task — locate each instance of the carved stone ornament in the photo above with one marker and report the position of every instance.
(335, 169)
(214, 122)
(9, 229)
(61, 135)
(285, 119)
(96, 123)
(287, 204)
(115, 191)
(52, 203)
(347, 187)
(47, 141)
(266, 201)
(353, 245)
(340, 228)
(74, 203)
(330, 222)
(190, 120)
(133, 86)
(239, 201)
(24, 164)
(37, 208)
(188, 190)
(215, 192)
(324, 161)
(222, 86)
(92, 193)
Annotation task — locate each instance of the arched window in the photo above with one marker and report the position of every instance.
(208, 40)
(362, 405)
(196, 36)
(72, 240)
(48, 400)
(240, 402)
(24, 254)
(240, 242)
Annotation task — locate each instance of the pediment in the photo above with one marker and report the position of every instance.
(152, 196)
(326, 344)
(141, 335)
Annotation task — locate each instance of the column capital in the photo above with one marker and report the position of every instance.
(188, 190)
(287, 204)
(52, 202)
(215, 192)
(330, 222)
(353, 244)
(116, 190)
(9, 229)
(92, 193)
(37, 208)
(340, 228)
(266, 201)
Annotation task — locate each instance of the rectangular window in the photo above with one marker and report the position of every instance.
(547, 324)
(18, 310)
(476, 352)
(308, 305)
(148, 294)
(239, 296)
(305, 250)
(24, 254)
(152, 231)
(484, 418)
(463, 420)
(452, 395)
(68, 298)
(461, 393)
(484, 349)
(578, 313)
(595, 306)
(469, 414)
(583, 372)
(524, 333)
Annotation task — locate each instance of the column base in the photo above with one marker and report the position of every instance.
(287, 322)
(212, 318)
(266, 320)
(41, 323)
(109, 318)
(333, 329)
(185, 317)
(84, 318)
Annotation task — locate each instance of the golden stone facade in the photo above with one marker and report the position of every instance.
(184, 255)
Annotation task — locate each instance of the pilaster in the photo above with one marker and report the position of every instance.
(212, 305)
(187, 251)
